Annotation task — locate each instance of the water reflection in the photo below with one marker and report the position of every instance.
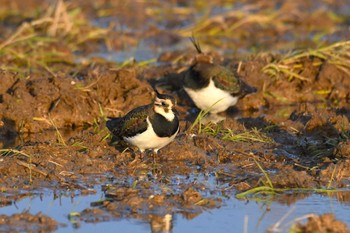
(259, 216)
(161, 224)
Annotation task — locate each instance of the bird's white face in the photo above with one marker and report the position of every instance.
(164, 107)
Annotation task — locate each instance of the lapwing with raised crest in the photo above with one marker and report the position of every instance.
(213, 88)
(149, 127)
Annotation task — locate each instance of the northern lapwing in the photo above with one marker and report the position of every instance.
(151, 126)
(213, 87)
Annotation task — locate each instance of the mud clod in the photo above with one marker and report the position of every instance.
(325, 223)
(27, 223)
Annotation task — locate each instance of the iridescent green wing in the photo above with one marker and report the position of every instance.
(135, 121)
(225, 79)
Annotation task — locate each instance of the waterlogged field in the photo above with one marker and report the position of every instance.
(276, 162)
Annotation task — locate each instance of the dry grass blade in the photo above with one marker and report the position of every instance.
(274, 69)
(252, 19)
(262, 170)
(40, 36)
(49, 121)
(276, 226)
(18, 36)
(31, 167)
(226, 23)
(61, 20)
(5, 152)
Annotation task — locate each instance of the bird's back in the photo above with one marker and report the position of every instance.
(131, 124)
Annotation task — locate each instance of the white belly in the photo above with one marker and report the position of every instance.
(149, 139)
(212, 98)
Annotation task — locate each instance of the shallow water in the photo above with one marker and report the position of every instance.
(143, 52)
(234, 214)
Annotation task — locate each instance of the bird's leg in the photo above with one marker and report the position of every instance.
(142, 154)
(138, 157)
(154, 155)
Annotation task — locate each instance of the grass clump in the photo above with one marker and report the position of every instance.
(268, 191)
(247, 135)
(217, 130)
(50, 122)
(291, 65)
(51, 38)
(198, 121)
(14, 152)
(253, 134)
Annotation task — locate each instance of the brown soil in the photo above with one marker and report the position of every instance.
(59, 121)
(27, 223)
(324, 223)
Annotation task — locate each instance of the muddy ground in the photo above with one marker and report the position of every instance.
(54, 122)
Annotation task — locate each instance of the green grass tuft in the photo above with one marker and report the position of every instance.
(263, 192)
(10, 152)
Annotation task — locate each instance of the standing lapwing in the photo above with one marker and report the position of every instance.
(151, 126)
(212, 87)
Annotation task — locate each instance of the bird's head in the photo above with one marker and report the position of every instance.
(164, 104)
(200, 56)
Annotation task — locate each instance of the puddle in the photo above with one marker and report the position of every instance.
(234, 214)
(145, 51)
(153, 33)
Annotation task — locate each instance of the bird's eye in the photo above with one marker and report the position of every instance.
(164, 104)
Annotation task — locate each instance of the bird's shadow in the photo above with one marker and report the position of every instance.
(193, 113)
(8, 133)
(120, 145)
